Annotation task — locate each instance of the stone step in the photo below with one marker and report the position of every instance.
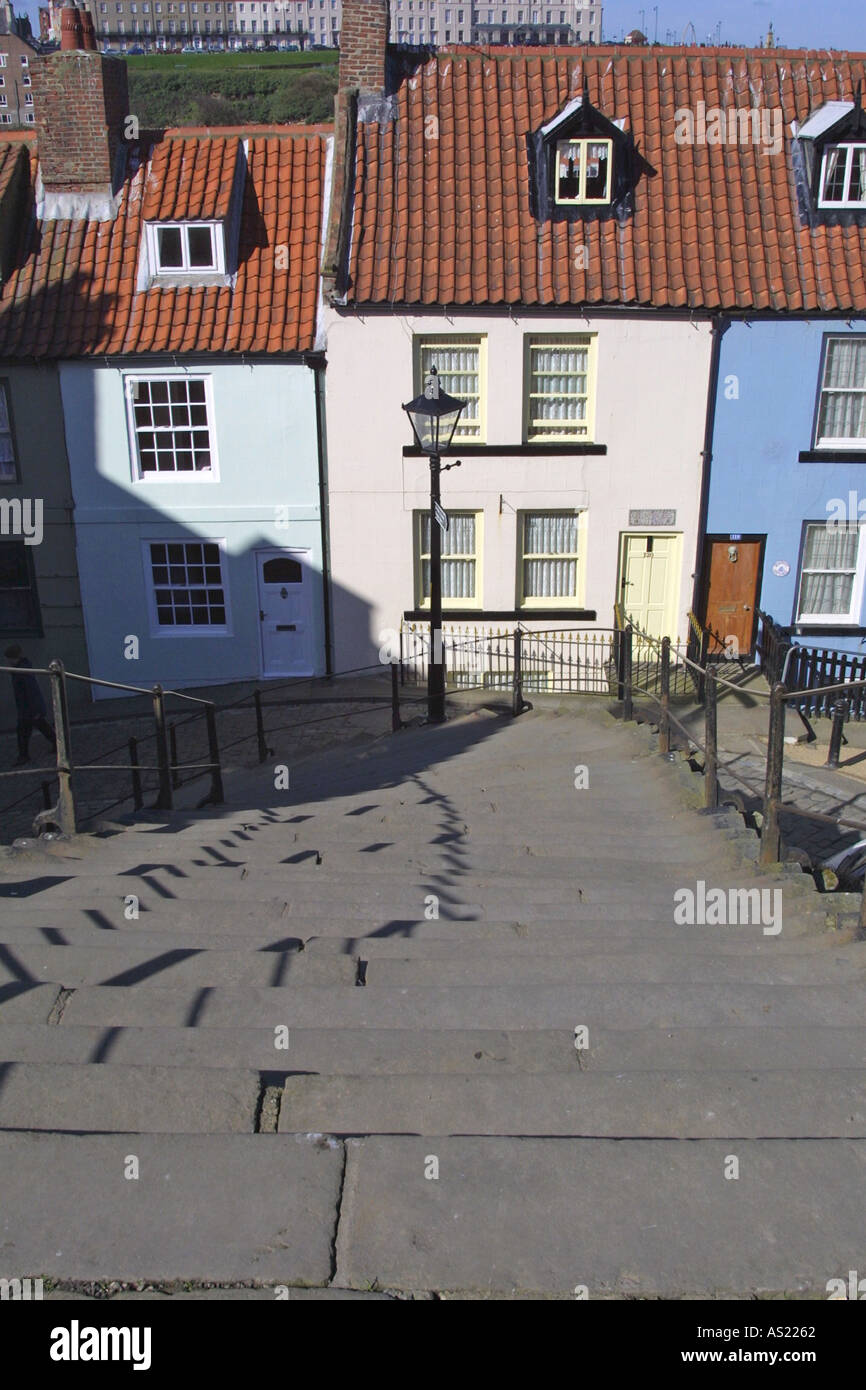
(478, 941)
(137, 966)
(231, 1207)
(394, 1051)
(145, 1099)
(792, 1104)
(634, 1219)
(506, 1007)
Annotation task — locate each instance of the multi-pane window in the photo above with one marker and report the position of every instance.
(842, 407)
(170, 425)
(460, 365)
(843, 177)
(548, 560)
(8, 462)
(19, 602)
(583, 171)
(831, 574)
(460, 560)
(561, 388)
(187, 584)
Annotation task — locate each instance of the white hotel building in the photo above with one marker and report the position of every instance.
(124, 23)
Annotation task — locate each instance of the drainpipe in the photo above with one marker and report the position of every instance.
(721, 324)
(319, 380)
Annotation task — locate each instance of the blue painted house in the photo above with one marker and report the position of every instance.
(785, 483)
(172, 284)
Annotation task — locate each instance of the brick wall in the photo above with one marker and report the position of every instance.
(81, 100)
(363, 41)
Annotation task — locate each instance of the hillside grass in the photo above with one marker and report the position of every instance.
(187, 91)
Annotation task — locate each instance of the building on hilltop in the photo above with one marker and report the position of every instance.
(255, 23)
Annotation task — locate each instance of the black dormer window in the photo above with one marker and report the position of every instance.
(582, 166)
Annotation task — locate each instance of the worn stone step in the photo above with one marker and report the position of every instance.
(506, 1007)
(387, 1051)
(140, 967)
(794, 1104)
(145, 1099)
(639, 1219)
(232, 1207)
(482, 941)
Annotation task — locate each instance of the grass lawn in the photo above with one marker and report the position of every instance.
(229, 62)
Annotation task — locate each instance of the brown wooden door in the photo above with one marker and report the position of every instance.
(732, 584)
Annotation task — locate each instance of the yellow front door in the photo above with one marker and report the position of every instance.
(649, 583)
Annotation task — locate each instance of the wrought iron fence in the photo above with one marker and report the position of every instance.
(567, 660)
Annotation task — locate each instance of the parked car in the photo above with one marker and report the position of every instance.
(188, 48)
(136, 51)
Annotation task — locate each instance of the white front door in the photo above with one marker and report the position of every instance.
(285, 612)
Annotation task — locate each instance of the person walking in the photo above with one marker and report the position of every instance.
(29, 704)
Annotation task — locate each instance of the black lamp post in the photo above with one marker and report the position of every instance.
(433, 416)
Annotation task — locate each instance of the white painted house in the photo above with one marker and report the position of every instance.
(504, 220)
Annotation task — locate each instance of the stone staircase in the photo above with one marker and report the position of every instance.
(326, 1037)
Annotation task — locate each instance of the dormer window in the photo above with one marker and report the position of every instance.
(843, 177)
(583, 171)
(188, 247)
(583, 166)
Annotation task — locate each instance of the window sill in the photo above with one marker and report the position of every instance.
(512, 450)
(812, 629)
(832, 456)
(517, 615)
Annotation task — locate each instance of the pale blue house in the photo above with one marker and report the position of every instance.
(179, 302)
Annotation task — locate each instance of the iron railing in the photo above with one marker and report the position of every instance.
(565, 660)
(64, 808)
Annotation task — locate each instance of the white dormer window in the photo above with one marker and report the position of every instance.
(843, 177)
(187, 248)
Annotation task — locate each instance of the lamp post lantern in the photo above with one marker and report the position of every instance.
(433, 416)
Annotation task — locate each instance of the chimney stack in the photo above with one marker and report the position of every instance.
(88, 32)
(363, 45)
(81, 101)
(71, 30)
(363, 58)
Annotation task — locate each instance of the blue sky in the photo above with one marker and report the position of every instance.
(798, 23)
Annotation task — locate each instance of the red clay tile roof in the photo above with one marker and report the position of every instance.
(447, 220)
(74, 292)
(10, 153)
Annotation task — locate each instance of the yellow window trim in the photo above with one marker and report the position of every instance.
(457, 341)
(476, 602)
(575, 600)
(586, 433)
(581, 198)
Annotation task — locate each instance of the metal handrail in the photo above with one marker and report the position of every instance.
(95, 680)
